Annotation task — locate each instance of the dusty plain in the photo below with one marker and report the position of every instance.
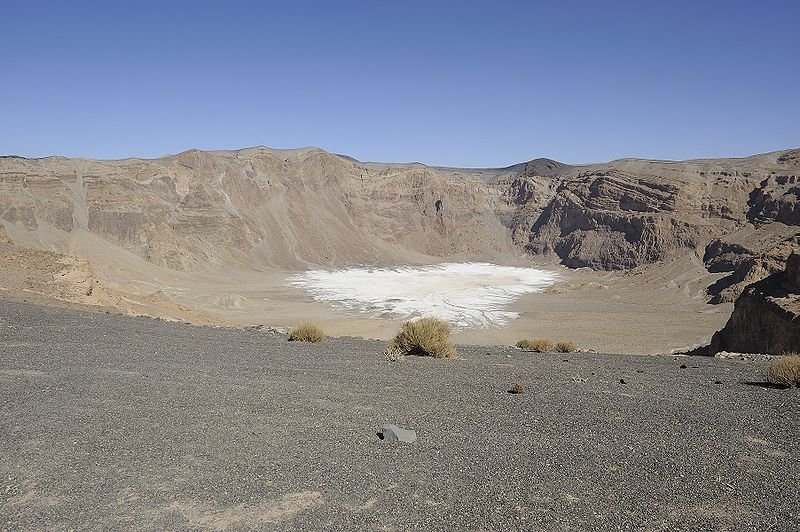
(654, 309)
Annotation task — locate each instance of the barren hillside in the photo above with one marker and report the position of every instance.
(198, 211)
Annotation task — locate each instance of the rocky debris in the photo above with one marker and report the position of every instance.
(766, 316)
(391, 432)
(68, 376)
(268, 329)
(727, 355)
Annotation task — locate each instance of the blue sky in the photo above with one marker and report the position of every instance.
(454, 83)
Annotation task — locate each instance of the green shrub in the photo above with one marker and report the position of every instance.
(785, 371)
(307, 332)
(424, 337)
(565, 347)
(537, 345)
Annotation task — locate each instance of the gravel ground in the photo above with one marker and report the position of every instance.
(108, 422)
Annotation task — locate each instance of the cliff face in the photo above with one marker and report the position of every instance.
(766, 316)
(628, 213)
(258, 207)
(608, 219)
(750, 254)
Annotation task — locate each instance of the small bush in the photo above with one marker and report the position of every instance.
(785, 371)
(516, 388)
(307, 332)
(538, 345)
(565, 347)
(424, 337)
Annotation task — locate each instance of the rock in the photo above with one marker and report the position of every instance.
(683, 366)
(394, 433)
(516, 388)
(4, 236)
(622, 381)
(766, 316)
(793, 271)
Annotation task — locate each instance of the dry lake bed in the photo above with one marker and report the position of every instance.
(111, 422)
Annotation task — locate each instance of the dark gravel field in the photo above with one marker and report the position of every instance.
(108, 422)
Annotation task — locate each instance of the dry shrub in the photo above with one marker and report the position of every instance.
(393, 354)
(424, 337)
(307, 332)
(516, 388)
(785, 371)
(565, 347)
(538, 345)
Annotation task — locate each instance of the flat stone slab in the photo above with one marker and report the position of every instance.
(391, 432)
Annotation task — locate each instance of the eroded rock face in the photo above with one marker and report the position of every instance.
(777, 198)
(257, 207)
(751, 255)
(766, 316)
(608, 220)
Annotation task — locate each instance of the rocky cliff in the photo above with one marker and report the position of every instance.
(263, 208)
(766, 316)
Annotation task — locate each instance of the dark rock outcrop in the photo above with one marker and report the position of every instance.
(750, 258)
(766, 316)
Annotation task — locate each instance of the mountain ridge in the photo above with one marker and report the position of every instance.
(291, 208)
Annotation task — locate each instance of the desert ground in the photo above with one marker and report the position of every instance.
(112, 422)
(650, 310)
(147, 382)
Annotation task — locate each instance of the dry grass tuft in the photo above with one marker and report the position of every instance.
(393, 354)
(307, 332)
(424, 337)
(785, 371)
(565, 347)
(538, 345)
(516, 388)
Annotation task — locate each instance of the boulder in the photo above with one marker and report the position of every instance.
(391, 432)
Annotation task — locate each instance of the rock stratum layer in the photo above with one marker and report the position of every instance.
(288, 209)
(766, 317)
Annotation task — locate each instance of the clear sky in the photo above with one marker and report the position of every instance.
(455, 83)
